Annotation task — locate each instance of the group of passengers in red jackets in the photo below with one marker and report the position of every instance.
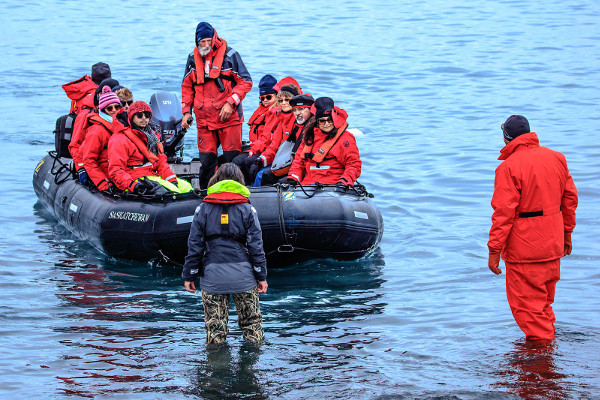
(113, 143)
(214, 84)
(311, 133)
(292, 136)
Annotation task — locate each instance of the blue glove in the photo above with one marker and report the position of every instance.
(83, 176)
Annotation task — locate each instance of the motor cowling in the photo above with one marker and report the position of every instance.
(166, 116)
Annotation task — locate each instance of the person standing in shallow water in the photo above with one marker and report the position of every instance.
(534, 206)
(225, 250)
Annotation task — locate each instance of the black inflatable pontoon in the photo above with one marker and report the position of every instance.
(298, 223)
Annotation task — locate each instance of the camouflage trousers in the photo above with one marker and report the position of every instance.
(216, 315)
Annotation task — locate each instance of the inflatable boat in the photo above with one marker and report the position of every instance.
(298, 223)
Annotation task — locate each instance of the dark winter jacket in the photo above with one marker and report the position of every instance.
(225, 247)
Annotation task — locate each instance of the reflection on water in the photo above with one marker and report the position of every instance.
(223, 376)
(130, 327)
(530, 372)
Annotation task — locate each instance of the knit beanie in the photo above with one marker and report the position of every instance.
(323, 107)
(106, 82)
(136, 107)
(204, 31)
(514, 126)
(107, 98)
(265, 86)
(100, 72)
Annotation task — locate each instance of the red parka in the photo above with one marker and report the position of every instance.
(200, 87)
(534, 202)
(266, 135)
(341, 163)
(95, 150)
(259, 135)
(81, 93)
(126, 162)
(281, 134)
(80, 127)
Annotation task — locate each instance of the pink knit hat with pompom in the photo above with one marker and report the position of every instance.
(107, 97)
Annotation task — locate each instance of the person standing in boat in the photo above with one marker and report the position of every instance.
(95, 145)
(136, 160)
(260, 124)
(225, 250)
(214, 84)
(280, 159)
(329, 154)
(534, 206)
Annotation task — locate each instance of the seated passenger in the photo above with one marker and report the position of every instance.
(95, 145)
(136, 160)
(284, 127)
(330, 154)
(261, 123)
(283, 157)
(81, 91)
(80, 128)
(125, 96)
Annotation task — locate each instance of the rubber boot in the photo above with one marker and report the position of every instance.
(209, 163)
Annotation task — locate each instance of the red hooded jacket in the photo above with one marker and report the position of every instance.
(266, 134)
(341, 163)
(281, 134)
(81, 93)
(202, 95)
(534, 202)
(95, 150)
(80, 128)
(126, 162)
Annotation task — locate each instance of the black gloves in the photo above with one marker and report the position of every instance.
(83, 176)
(343, 184)
(148, 187)
(291, 181)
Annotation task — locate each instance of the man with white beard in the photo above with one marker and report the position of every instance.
(282, 159)
(214, 84)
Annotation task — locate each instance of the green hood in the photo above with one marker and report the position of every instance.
(229, 186)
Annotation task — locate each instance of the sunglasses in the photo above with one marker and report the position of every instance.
(325, 120)
(112, 107)
(282, 100)
(141, 114)
(267, 97)
(126, 102)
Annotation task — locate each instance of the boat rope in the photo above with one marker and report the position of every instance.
(286, 247)
(62, 168)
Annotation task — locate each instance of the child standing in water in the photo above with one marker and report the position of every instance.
(225, 250)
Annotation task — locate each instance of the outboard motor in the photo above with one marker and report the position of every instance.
(166, 115)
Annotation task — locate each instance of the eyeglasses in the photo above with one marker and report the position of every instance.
(267, 97)
(126, 102)
(141, 114)
(111, 108)
(325, 120)
(282, 100)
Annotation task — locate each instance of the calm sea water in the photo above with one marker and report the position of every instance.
(429, 84)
